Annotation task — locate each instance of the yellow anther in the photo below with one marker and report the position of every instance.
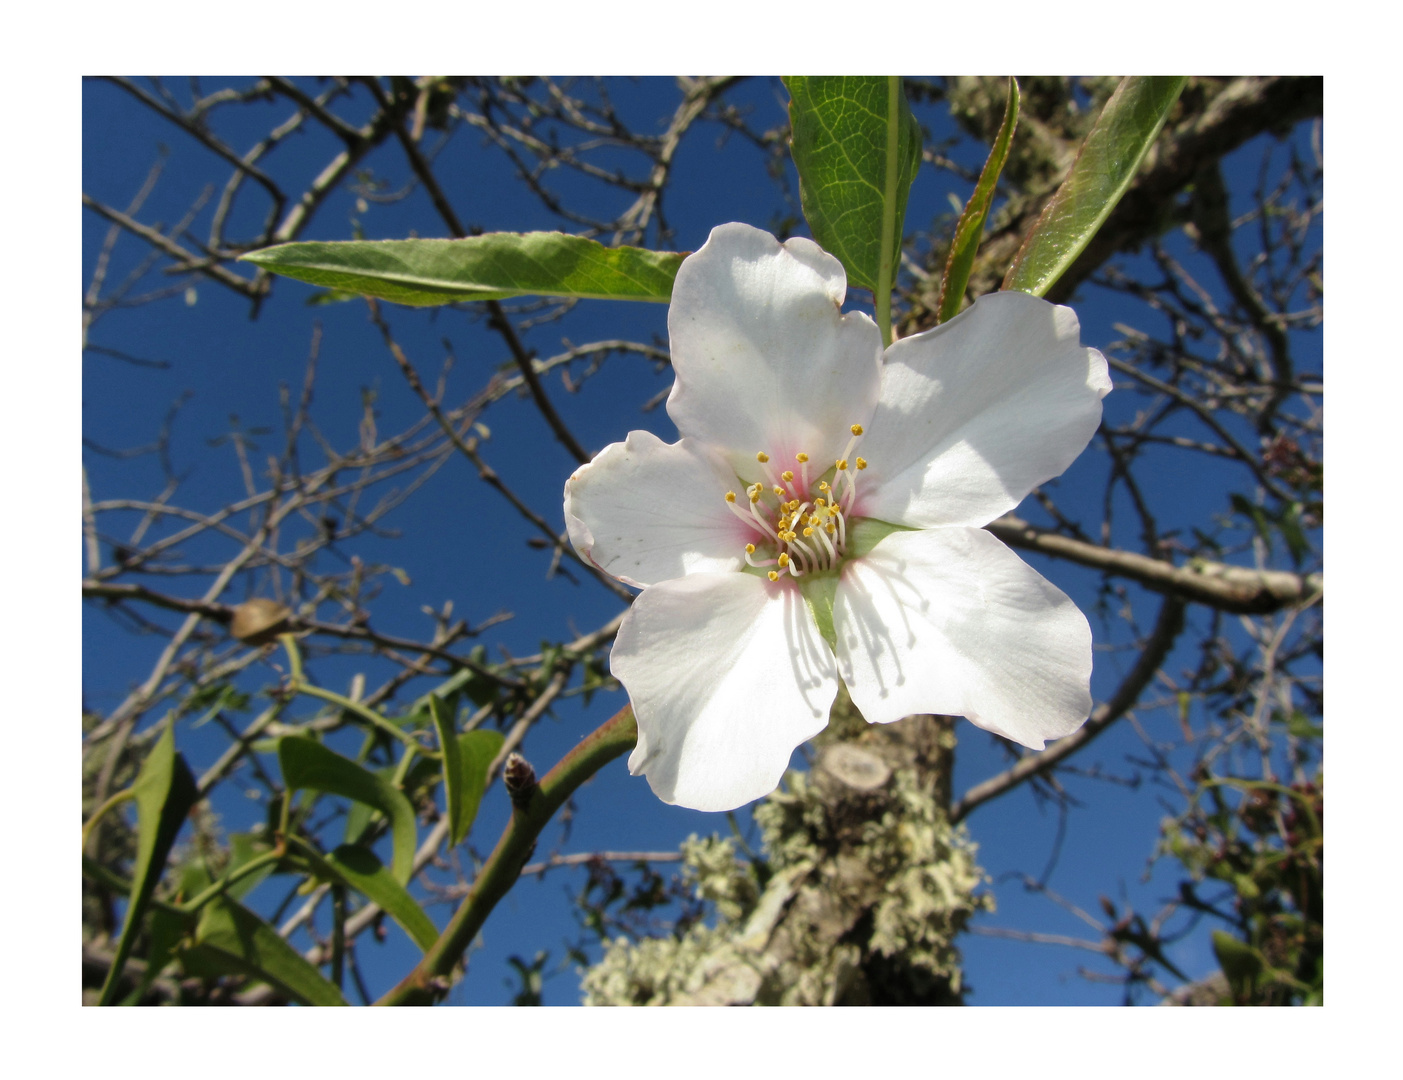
(808, 532)
(762, 457)
(801, 457)
(750, 549)
(730, 496)
(829, 529)
(856, 429)
(786, 476)
(862, 463)
(792, 505)
(821, 503)
(842, 464)
(823, 485)
(754, 496)
(774, 575)
(784, 560)
(813, 519)
(778, 490)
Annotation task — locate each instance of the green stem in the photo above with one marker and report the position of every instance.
(294, 656)
(285, 815)
(366, 714)
(429, 979)
(299, 685)
(1266, 785)
(402, 769)
(884, 267)
(101, 811)
(233, 877)
(338, 935)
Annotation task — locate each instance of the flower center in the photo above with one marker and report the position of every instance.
(801, 519)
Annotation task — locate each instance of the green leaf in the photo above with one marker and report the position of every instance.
(857, 148)
(234, 940)
(358, 868)
(243, 847)
(1288, 521)
(365, 873)
(476, 752)
(307, 764)
(593, 676)
(164, 792)
(166, 931)
(452, 768)
(970, 228)
(1241, 963)
(1254, 513)
(1299, 725)
(494, 266)
(1106, 164)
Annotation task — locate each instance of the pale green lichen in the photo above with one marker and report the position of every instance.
(862, 899)
(717, 876)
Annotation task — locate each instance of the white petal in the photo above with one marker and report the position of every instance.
(727, 674)
(763, 357)
(645, 511)
(951, 621)
(976, 413)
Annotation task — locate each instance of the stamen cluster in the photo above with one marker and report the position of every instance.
(804, 525)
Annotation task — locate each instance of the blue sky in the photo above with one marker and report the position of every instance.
(458, 541)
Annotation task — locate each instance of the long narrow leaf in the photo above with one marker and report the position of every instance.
(242, 848)
(494, 266)
(1107, 163)
(857, 148)
(232, 939)
(358, 868)
(307, 764)
(969, 230)
(452, 768)
(362, 871)
(476, 752)
(165, 791)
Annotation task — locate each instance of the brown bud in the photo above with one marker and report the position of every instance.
(259, 621)
(520, 780)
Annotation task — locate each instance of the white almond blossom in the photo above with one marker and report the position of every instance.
(821, 517)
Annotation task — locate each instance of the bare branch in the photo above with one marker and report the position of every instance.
(1219, 585)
